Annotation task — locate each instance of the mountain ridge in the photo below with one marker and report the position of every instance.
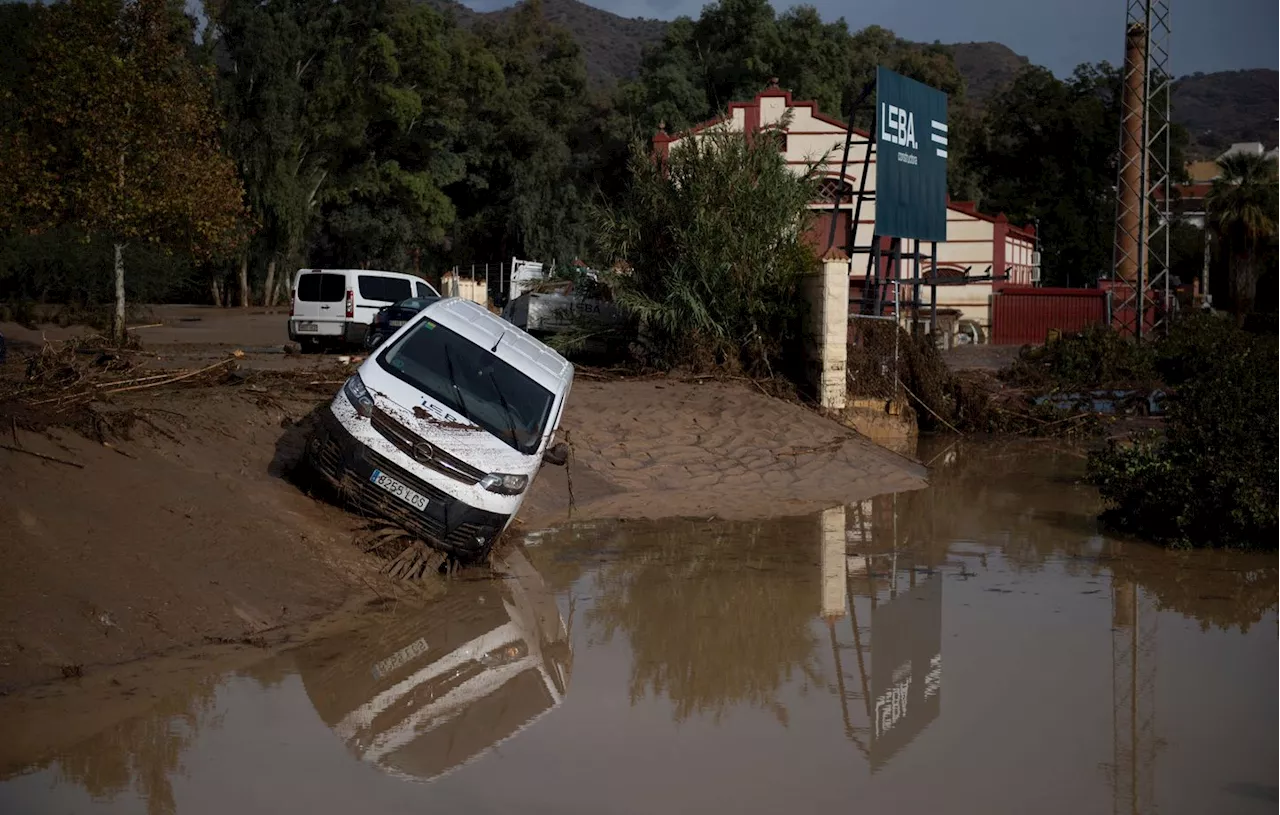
(1217, 109)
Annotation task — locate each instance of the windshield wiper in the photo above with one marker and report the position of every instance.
(453, 383)
(511, 421)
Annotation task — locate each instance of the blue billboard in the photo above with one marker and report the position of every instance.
(911, 158)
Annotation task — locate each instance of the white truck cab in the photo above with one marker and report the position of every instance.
(445, 425)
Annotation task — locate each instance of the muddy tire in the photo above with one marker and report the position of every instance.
(303, 472)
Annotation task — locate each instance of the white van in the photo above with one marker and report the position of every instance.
(337, 305)
(443, 428)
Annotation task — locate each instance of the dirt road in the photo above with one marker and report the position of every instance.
(187, 530)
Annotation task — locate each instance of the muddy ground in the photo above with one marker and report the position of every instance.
(185, 531)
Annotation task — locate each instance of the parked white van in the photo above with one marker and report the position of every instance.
(443, 428)
(337, 305)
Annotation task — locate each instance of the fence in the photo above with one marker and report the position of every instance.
(482, 282)
(1025, 316)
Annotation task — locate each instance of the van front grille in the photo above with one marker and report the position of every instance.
(326, 453)
(422, 451)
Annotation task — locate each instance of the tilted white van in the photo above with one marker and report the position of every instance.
(443, 428)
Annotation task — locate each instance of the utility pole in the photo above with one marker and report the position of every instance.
(1206, 299)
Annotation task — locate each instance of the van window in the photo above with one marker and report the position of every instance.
(472, 381)
(386, 289)
(322, 288)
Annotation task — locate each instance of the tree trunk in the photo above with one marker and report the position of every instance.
(117, 318)
(269, 288)
(215, 289)
(1241, 278)
(244, 280)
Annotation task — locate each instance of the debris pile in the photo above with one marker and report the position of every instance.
(405, 557)
(87, 368)
(1050, 391)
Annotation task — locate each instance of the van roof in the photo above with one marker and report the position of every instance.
(478, 324)
(359, 271)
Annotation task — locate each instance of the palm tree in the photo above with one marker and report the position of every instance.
(1242, 211)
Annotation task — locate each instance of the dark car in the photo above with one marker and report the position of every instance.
(389, 319)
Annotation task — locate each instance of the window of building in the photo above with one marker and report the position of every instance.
(832, 188)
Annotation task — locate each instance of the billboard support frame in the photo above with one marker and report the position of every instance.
(873, 299)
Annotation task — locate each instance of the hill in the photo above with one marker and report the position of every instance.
(1227, 106)
(986, 67)
(611, 45)
(1217, 109)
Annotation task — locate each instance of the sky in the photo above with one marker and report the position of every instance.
(1206, 36)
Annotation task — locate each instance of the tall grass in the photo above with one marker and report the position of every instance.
(707, 250)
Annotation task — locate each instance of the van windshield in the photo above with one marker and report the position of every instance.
(472, 381)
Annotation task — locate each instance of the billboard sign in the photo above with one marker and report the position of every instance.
(906, 668)
(911, 158)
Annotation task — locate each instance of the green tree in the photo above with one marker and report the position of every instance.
(526, 144)
(392, 117)
(119, 137)
(711, 242)
(1242, 211)
(270, 54)
(1049, 156)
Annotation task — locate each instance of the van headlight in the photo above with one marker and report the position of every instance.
(358, 395)
(505, 483)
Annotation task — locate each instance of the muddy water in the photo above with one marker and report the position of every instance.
(976, 647)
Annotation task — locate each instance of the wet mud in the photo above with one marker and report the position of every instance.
(977, 646)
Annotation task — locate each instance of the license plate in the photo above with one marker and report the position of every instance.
(308, 326)
(397, 323)
(391, 485)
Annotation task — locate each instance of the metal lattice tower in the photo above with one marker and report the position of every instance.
(1135, 741)
(1140, 270)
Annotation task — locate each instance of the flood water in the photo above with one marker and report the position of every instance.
(974, 647)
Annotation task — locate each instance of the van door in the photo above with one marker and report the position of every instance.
(373, 291)
(319, 299)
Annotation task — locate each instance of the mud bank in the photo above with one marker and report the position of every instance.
(666, 448)
(189, 531)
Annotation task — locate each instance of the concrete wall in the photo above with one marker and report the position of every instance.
(826, 294)
(474, 290)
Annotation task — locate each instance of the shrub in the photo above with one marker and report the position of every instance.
(709, 251)
(1210, 481)
(1095, 358)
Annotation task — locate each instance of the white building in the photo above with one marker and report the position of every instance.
(981, 243)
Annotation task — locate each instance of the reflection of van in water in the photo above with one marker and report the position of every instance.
(441, 688)
(444, 427)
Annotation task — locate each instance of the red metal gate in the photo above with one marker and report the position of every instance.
(1022, 315)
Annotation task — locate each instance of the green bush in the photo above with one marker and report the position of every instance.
(1210, 480)
(708, 252)
(1095, 358)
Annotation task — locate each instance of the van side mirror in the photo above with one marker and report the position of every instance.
(557, 454)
